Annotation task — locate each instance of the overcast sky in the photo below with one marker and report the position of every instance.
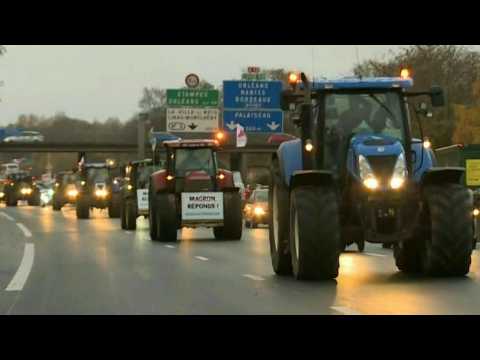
(98, 81)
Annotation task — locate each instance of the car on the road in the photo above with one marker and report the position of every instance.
(193, 192)
(134, 193)
(66, 191)
(255, 211)
(21, 186)
(95, 190)
(25, 137)
(9, 168)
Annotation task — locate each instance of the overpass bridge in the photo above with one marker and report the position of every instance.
(238, 159)
(111, 148)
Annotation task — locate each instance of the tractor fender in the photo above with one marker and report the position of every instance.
(289, 155)
(443, 175)
(312, 177)
(159, 181)
(424, 160)
(227, 181)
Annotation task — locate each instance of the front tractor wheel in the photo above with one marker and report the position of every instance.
(449, 231)
(314, 233)
(165, 211)
(232, 219)
(278, 225)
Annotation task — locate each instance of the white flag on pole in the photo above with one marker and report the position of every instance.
(241, 136)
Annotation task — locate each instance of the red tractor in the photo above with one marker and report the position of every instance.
(193, 192)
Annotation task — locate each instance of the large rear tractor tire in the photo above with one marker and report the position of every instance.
(314, 233)
(123, 221)
(152, 218)
(232, 220)
(448, 241)
(164, 209)
(279, 224)
(82, 208)
(129, 215)
(114, 207)
(11, 200)
(408, 255)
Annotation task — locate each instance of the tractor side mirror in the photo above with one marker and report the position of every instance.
(424, 110)
(436, 94)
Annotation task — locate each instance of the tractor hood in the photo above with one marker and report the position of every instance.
(380, 151)
(376, 145)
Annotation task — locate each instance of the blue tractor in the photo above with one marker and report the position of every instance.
(356, 174)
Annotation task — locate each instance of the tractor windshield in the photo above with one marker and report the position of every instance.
(347, 115)
(201, 159)
(143, 176)
(97, 175)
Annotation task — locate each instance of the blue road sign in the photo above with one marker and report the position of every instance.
(260, 121)
(251, 94)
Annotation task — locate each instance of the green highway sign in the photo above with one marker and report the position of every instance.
(253, 77)
(192, 98)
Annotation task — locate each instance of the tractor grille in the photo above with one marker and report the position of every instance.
(181, 185)
(382, 166)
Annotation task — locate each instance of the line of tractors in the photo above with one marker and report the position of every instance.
(354, 174)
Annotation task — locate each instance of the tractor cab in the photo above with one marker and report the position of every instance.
(192, 164)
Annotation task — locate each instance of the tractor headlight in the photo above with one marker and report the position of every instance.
(25, 191)
(259, 211)
(101, 193)
(366, 173)
(399, 173)
(73, 193)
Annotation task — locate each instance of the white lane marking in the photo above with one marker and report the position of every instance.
(345, 310)
(24, 269)
(201, 258)
(170, 246)
(128, 232)
(377, 255)
(253, 277)
(24, 229)
(6, 216)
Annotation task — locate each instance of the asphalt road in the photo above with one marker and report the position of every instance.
(52, 263)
